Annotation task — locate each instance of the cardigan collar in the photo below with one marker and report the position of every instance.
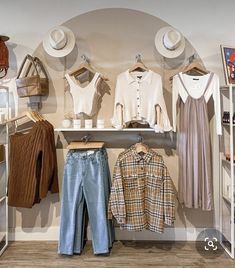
(147, 77)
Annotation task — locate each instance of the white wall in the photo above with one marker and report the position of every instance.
(206, 25)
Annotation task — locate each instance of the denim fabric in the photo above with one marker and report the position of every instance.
(86, 185)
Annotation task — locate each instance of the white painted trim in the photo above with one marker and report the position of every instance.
(52, 234)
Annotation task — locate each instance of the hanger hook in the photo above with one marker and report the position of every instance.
(140, 138)
(85, 58)
(138, 58)
(192, 57)
(86, 138)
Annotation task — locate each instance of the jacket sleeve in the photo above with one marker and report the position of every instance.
(117, 120)
(162, 119)
(117, 206)
(48, 178)
(54, 184)
(175, 94)
(169, 198)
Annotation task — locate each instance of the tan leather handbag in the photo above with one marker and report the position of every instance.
(33, 84)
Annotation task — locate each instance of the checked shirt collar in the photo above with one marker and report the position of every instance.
(146, 157)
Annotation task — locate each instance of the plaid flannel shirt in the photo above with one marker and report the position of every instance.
(142, 194)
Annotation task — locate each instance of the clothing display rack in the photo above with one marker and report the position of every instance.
(4, 167)
(227, 219)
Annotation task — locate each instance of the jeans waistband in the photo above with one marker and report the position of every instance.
(88, 154)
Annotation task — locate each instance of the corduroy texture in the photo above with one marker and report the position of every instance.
(33, 166)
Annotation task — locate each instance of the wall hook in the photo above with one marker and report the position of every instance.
(140, 138)
(85, 59)
(86, 138)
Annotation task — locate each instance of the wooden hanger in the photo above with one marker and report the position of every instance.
(82, 68)
(140, 146)
(85, 66)
(37, 115)
(26, 114)
(85, 144)
(33, 116)
(139, 65)
(195, 68)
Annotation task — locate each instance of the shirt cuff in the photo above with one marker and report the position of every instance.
(121, 220)
(119, 127)
(116, 124)
(110, 215)
(167, 128)
(169, 221)
(158, 129)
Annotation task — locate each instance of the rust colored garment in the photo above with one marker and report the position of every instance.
(33, 166)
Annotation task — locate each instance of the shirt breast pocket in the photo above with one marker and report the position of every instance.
(154, 183)
(131, 182)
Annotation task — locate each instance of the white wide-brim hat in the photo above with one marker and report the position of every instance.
(59, 41)
(169, 42)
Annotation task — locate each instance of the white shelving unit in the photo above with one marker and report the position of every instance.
(227, 184)
(4, 138)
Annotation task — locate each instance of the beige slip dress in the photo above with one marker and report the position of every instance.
(195, 175)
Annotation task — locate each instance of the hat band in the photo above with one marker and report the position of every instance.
(60, 45)
(58, 39)
(168, 48)
(169, 43)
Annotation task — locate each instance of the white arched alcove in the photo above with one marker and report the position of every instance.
(111, 38)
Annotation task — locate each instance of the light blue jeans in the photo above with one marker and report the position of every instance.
(86, 185)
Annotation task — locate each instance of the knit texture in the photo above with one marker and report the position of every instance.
(33, 166)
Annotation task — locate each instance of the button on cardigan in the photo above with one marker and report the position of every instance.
(142, 194)
(138, 94)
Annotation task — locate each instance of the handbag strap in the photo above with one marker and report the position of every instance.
(38, 62)
(32, 63)
(5, 72)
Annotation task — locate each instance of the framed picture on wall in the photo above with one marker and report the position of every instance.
(228, 57)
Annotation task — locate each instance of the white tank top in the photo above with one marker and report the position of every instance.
(83, 97)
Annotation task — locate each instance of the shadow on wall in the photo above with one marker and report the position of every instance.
(115, 139)
(50, 100)
(195, 216)
(12, 71)
(42, 214)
